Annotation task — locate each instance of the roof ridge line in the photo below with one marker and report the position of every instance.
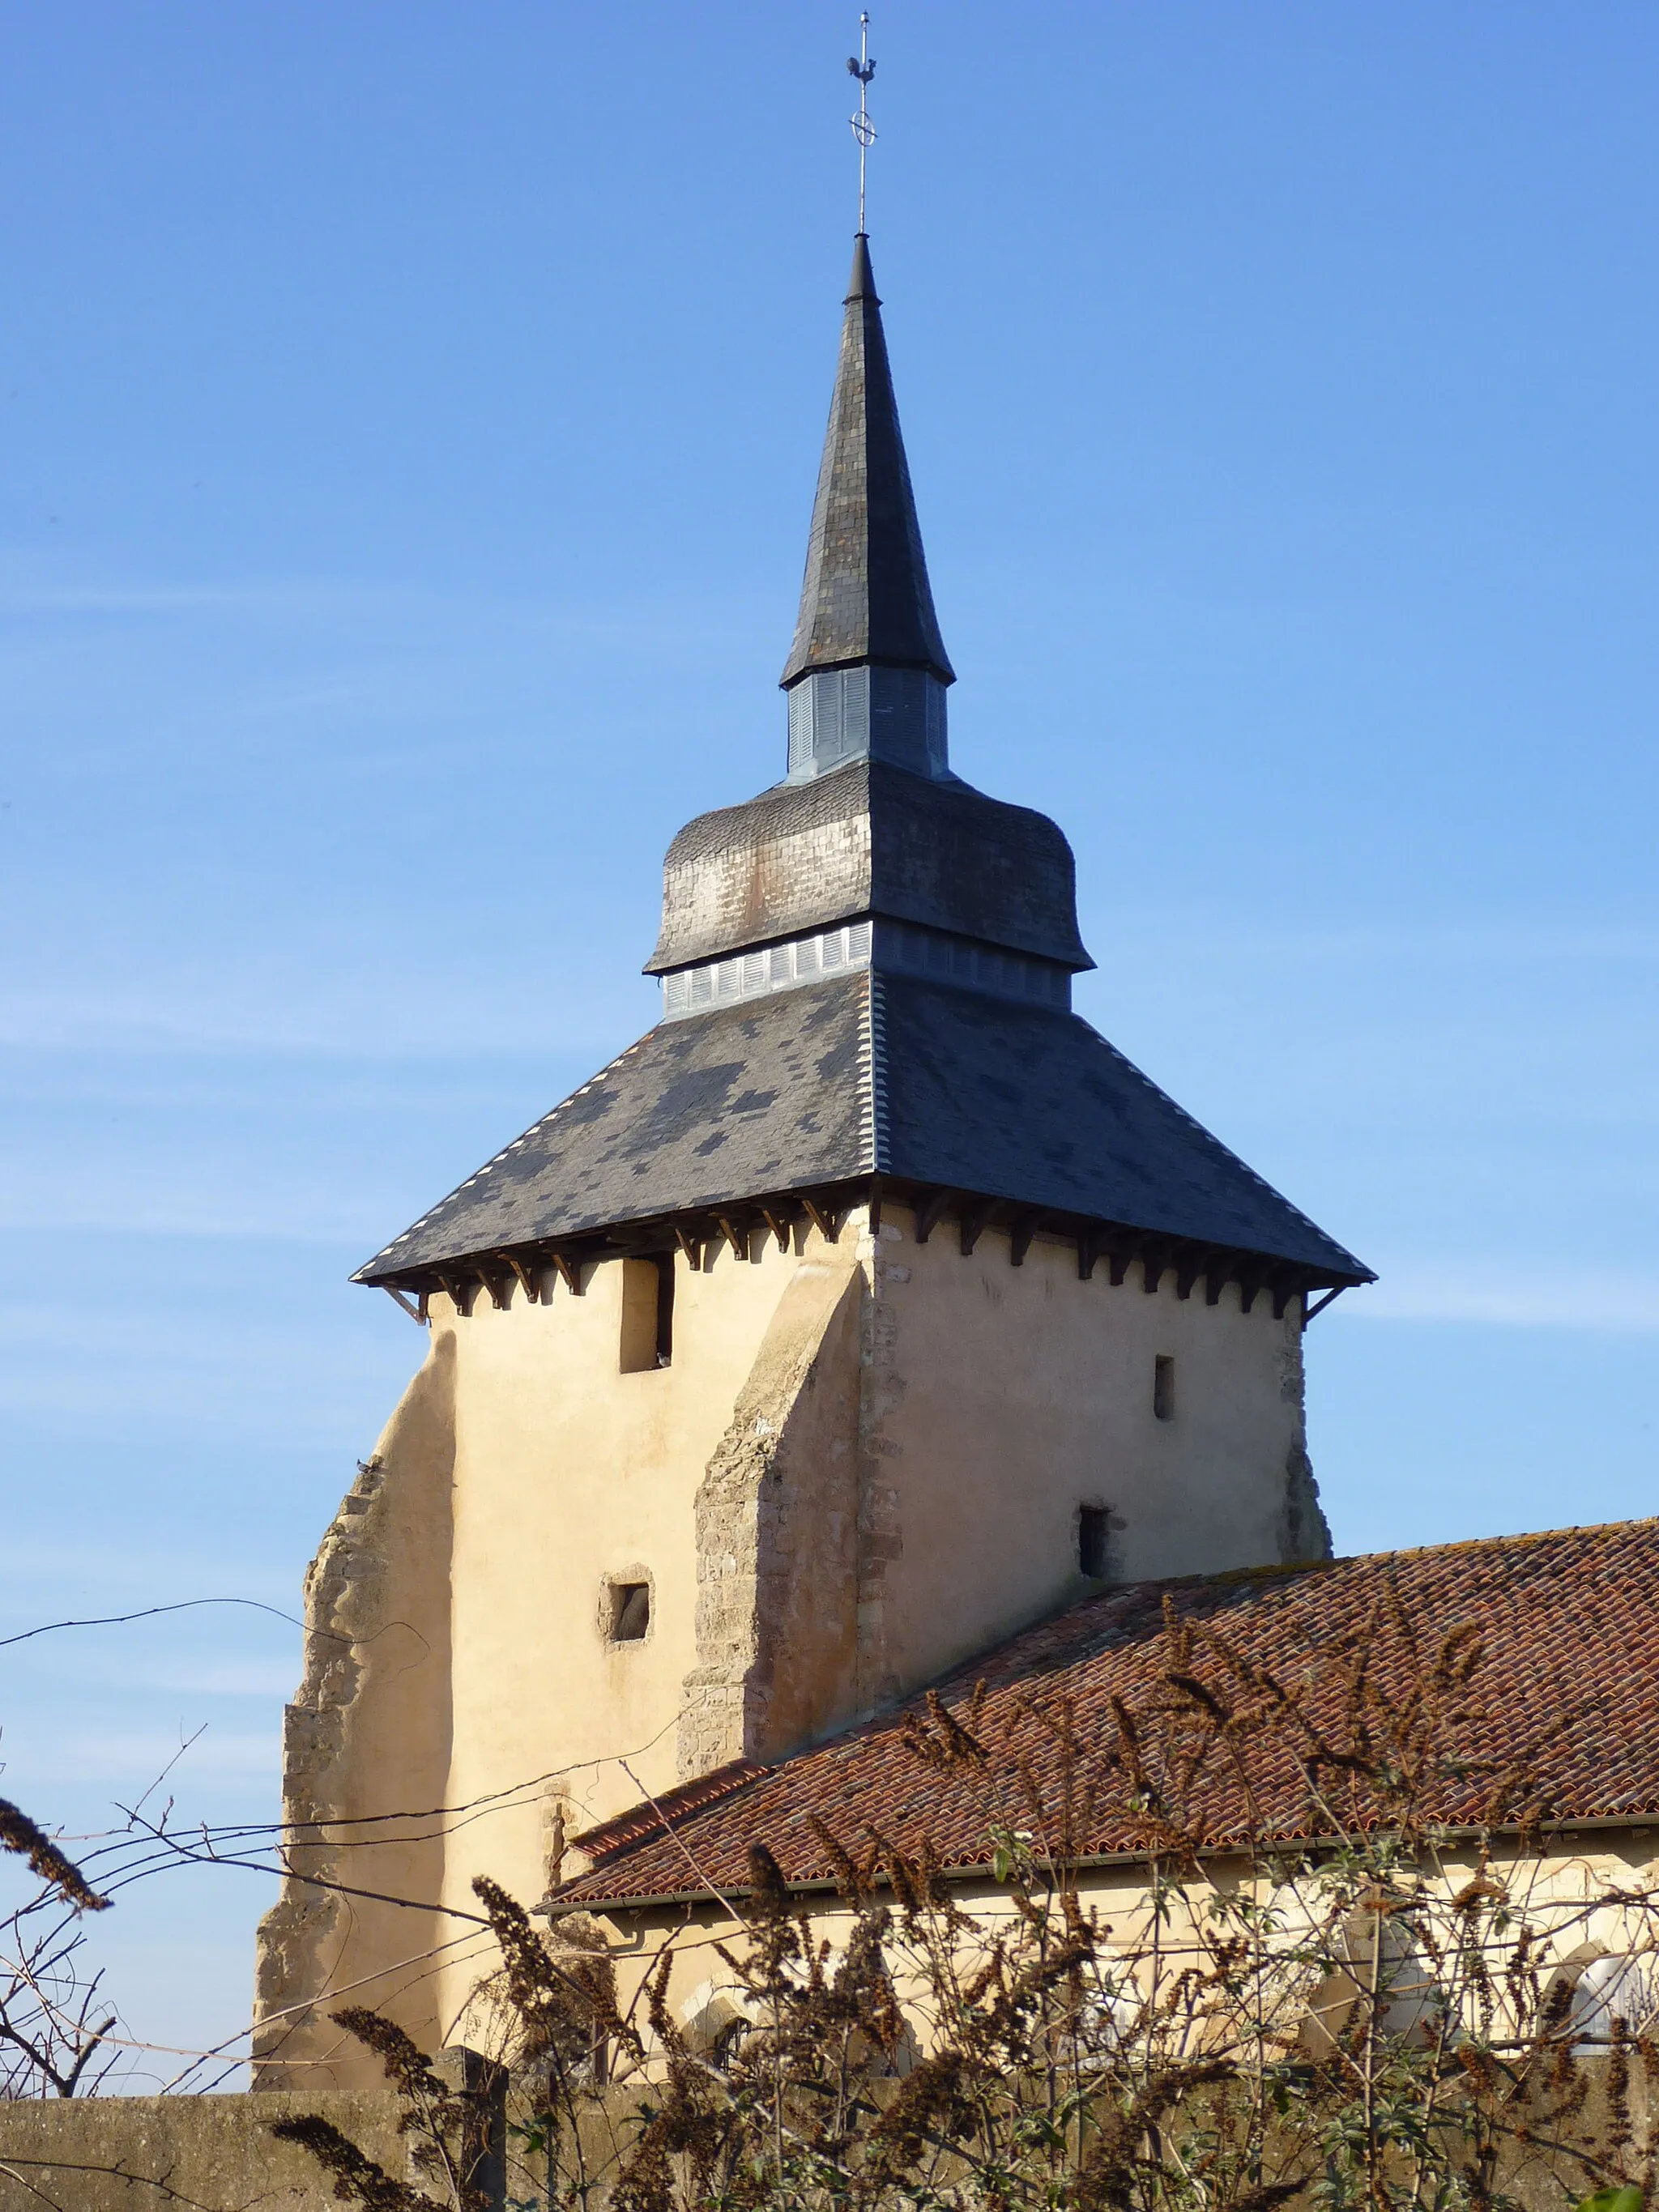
(879, 1132)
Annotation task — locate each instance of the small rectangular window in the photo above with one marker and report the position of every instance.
(630, 1612)
(648, 1313)
(1164, 1387)
(1093, 1538)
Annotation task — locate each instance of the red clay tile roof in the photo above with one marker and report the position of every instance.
(1566, 1692)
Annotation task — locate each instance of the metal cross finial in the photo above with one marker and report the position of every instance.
(863, 129)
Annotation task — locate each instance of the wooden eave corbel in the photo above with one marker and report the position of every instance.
(1023, 1229)
(460, 1292)
(826, 1219)
(529, 1275)
(1088, 1252)
(735, 1233)
(778, 1222)
(690, 1245)
(930, 1207)
(417, 1313)
(972, 1223)
(570, 1272)
(1193, 1264)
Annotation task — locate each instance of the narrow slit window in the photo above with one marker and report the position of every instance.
(630, 1612)
(1093, 1538)
(665, 1308)
(1164, 1387)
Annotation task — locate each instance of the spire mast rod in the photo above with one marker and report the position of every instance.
(864, 130)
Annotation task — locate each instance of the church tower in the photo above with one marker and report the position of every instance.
(867, 1309)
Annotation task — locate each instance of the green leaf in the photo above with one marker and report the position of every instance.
(1611, 2199)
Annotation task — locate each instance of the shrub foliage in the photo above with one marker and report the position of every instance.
(1389, 2017)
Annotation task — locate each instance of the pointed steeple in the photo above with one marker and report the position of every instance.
(867, 974)
(866, 601)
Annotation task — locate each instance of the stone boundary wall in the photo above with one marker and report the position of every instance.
(216, 2153)
(181, 2154)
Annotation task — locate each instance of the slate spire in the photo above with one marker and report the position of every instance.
(866, 600)
(867, 974)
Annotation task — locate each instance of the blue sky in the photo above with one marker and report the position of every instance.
(410, 420)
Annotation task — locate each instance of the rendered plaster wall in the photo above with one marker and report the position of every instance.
(863, 1463)
(459, 1653)
(571, 1477)
(1580, 1895)
(998, 1399)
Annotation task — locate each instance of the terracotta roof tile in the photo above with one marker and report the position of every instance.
(1567, 1690)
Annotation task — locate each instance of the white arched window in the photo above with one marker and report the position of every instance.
(715, 2017)
(1622, 1986)
(1382, 1964)
(1108, 2017)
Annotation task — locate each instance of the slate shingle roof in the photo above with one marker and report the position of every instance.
(1566, 1691)
(1032, 1105)
(865, 594)
(869, 838)
(874, 1075)
(750, 1101)
(859, 1076)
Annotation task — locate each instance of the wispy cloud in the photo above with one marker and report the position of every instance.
(671, 625)
(212, 1382)
(1534, 1294)
(121, 1757)
(1522, 938)
(343, 1025)
(264, 1678)
(284, 600)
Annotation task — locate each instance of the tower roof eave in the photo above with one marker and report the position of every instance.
(1030, 1108)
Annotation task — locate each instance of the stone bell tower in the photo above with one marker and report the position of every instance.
(869, 1307)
